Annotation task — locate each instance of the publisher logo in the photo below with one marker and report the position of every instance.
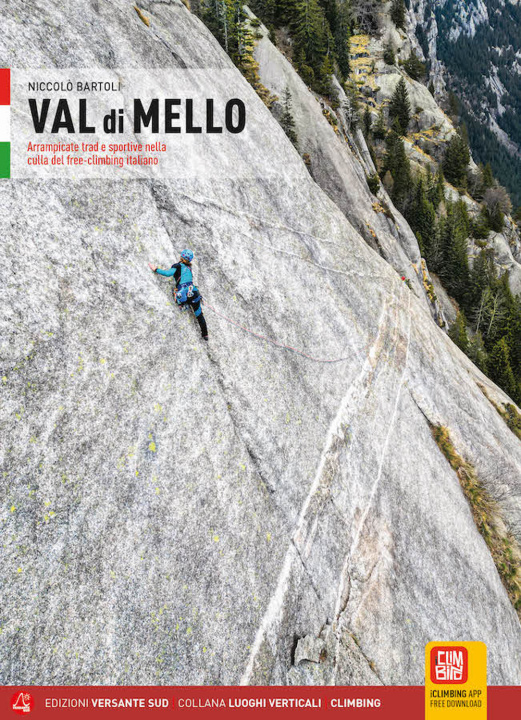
(449, 665)
(22, 703)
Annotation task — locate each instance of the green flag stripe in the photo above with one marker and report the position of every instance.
(5, 160)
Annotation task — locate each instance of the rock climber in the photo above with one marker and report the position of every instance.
(185, 292)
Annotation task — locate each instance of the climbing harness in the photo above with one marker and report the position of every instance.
(184, 292)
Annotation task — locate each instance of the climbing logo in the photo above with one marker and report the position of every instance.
(456, 680)
(22, 702)
(449, 664)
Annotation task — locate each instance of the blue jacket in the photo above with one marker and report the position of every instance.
(181, 273)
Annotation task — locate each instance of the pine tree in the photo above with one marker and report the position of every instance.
(477, 353)
(367, 121)
(218, 16)
(455, 269)
(422, 218)
(481, 225)
(456, 161)
(305, 71)
(436, 190)
(342, 35)
(400, 107)
(501, 370)
(515, 334)
(397, 164)
(458, 332)
(286, 121)
(389, 56)
(398, 13)
(379, 129)
(480, 278)
(325, 78)
(487, 178)
(265, 10)
(309, 36)
(414, 67)
(286, 12)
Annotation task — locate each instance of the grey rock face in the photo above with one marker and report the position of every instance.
(176, 513)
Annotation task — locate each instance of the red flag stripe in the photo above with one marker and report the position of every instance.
(5, 86)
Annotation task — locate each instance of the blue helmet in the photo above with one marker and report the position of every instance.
(187, 255)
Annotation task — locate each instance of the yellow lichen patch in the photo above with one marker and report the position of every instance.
(216, 538)
(427, 284)
(372, 232)
(13, 508)
(359, 43)
(361, 63)
(152, 447)
(141, 16)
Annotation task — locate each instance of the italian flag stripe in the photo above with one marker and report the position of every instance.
(5, 123)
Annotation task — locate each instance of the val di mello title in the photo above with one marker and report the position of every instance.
(171, 116)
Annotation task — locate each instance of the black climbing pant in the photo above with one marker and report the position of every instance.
(202, 325)
(195, 303)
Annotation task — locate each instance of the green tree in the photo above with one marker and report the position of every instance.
(309, 33)
(265, 10)
(454, 233)
(422, 218)
(487, 178)
(305, 71)
(481, 225)
(367, 121)
(286, 121)
(481, 276)
(456, 161)
(458, 332)
(379, 129)
(218, 15)
(397, 164)
(477, 353)
(400, 107)
(398, 13)
(414, 67)
(342, 36)
(325, 78)
(501, 370)
(436, 189)
(389, 56)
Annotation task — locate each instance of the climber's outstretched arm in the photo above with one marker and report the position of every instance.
(165, 273)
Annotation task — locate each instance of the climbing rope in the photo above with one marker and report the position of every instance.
(275, 342)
